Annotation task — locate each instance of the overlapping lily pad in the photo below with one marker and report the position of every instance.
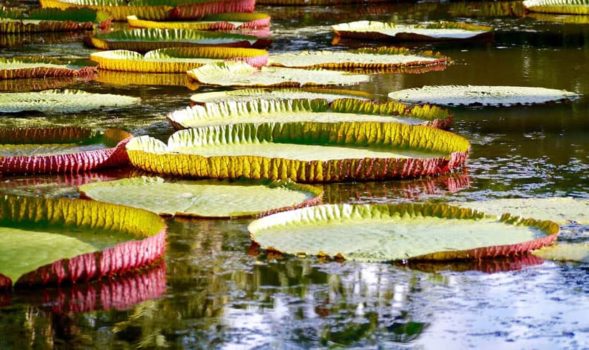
(390, 31)
(175, 60)
(60, 150)
(48, 20)
(399, 232)
(469, 95)
(221, 22)
(204, 198)
(308, 110)
(61, 101)
(18, 69)
(247, 95)
(119, 10)
(151, 39)
(304, 152)
(49, 241)
(571, 7)
(242, 74)
(368, 59)
(575, 252)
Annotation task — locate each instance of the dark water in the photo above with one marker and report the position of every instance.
(216, 291)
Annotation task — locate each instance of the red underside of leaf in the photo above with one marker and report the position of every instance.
(200, 10)
(46, 73)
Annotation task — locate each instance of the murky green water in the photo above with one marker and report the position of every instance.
(217, 292)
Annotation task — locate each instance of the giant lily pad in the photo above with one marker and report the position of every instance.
(466, 95)
(49, 241)
(152, 39)
(399, 232)
(371, 59)
(571, 7)
(61, 101)
(17, 69)
(156, 9)
(242, 74)
(60, 150)
(246, 95)
(436, 31)
(220, 22)
(175, 60)
(205, 198)
(307, 110)
(305, 152)
(48, 20)
(561, 210)
(577, 252)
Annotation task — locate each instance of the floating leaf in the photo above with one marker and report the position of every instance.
(242, 74)
(152, 39)
(16, 69)
(220, 22)
(571, 7)
(307, 110)
(60, 150)
(486, 9)
(305, 152)
(48, 20)
(399, 232)
(153, 79)
(175, 60)
(205, 198)
(578, 252)
(370, 59)
(434, 31)
(61, 101)
(467, 95)
(49, 241)
(561, 210)
(119, 10)
(246, 95)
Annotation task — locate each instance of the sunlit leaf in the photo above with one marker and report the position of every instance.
(571, 7)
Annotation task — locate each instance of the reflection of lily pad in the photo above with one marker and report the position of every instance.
(578, 252)
(61, 101)
(305, 152)
(205, 198)
(561, 210)
(242, 74)
(466, 95)
(399, 232)
(246, 95)
(45, 241)
(153, 79)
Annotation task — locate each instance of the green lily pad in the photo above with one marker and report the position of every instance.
(48, 20)
(466, 95)
(242, 74)
(247, 95)
(398, 232)
(571, 7)
(578, 252)
(62, 101)
(205, 198)
(561, 210)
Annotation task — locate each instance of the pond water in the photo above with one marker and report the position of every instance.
(218, 291)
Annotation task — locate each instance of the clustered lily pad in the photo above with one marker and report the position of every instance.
(242, 74)
(48, 20)
(175, 60)
(61, 101)
(221, 22)
(305, 152)
(204, 198)
(435, 31)
(468, 95)
(571, 7)
(399, 232)
(308, 110)
(60, 150)
(18, 69)
(247, 95)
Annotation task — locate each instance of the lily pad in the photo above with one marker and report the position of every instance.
(175, 60)
(17, 69)
(305, 152)
(61, 101)
(60, 150)
(221, 22)
(390, 31)
(242, 74)
(371, 59)
(308, 110)
(562, 210)
(570, 7)
(151, 39)
(399, 232)
(247, 95)
(48, 20)
(577, 252)
(49, 241)
(204, 198)
(468, 95)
